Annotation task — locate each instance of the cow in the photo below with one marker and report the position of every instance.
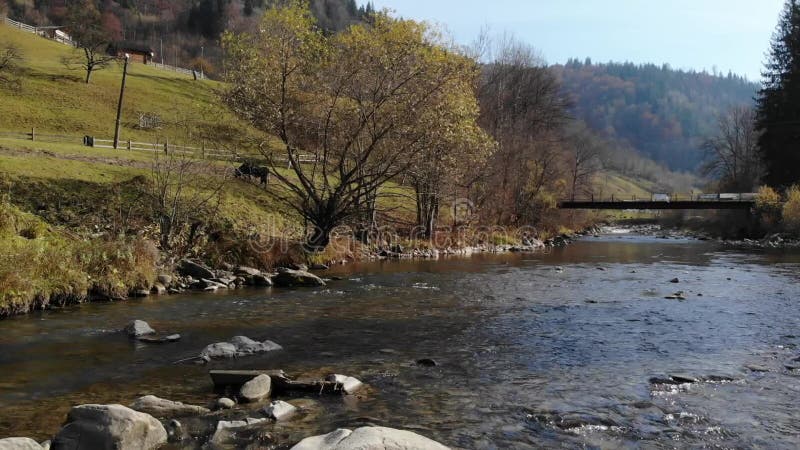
(249, 170)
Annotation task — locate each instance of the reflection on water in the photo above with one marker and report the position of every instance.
(533, 350)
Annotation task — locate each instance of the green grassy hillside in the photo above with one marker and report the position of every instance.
(55, 100)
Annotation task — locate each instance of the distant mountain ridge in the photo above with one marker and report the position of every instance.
(661, 112)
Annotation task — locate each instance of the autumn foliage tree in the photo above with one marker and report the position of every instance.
(352, 110)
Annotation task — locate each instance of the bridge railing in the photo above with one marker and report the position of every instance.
(666, 198)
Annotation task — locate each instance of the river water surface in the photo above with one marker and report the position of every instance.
(533, 350)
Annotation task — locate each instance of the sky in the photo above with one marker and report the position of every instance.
(686, 34)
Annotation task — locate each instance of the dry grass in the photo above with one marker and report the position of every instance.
(41, 266)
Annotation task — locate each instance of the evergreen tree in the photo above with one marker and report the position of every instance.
(778, 114)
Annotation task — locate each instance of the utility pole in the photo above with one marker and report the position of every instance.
(161, 42)
(119, 105)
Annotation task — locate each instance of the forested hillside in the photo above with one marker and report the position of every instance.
(661, 112)
(182, 32)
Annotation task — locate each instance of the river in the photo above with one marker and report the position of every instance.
(534, 350)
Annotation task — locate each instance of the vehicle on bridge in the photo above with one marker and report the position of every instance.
(660, 198)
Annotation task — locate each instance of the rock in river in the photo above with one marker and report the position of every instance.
(349, 385)
(224, 403)
(280, 411)
(92, 427)
(296, 278)
(160, 407)
(256, 389)
(19, 443)
(238, 346)
(138, 328)
(373, 438)
(226, 430)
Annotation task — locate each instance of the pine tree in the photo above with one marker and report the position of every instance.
(778, 113)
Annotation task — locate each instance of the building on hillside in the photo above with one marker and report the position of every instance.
(55, 33)
(141, 53)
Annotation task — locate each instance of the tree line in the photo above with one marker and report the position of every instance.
(183, 33)
(663, 113)
(390, 102)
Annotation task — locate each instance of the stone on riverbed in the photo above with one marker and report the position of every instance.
(238, 346)
(280, 411)
(19, 443)
(160, 407)
(296, 278)
(116, 427)
(226, 430)
(224, 403)
(256, 389)
(373, 438)
(159, 339)
(349, 385)
(137, 328)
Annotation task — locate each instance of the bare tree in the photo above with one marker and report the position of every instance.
(584, 159)
(733, 154)
(10, 57)
(351, 110)
(87, 30)
(523, 109)
(183, 194)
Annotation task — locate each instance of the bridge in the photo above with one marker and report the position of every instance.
(665, 201)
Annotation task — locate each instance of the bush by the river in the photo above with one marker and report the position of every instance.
(791, 210)
(41, 265)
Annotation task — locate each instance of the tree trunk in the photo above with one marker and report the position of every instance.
(88, 75)
(319, 238)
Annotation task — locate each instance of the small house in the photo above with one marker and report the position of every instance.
(141, 53)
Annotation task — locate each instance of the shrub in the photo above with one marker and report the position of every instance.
(791, 210)
(768, 206)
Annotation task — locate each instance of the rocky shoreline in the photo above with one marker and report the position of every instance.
(772, 241)
(194, 276)
(249, 404)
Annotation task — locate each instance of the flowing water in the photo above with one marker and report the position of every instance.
(533, 350)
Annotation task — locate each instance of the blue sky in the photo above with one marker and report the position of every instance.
(688, 34)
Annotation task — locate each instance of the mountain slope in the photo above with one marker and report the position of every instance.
(661, 112)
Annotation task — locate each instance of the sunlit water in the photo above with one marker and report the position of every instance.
(533, 350)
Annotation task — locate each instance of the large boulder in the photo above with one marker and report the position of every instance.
(372, 438)
(19, 443)
(136, 328)
(160, 407)
(113, 427)
(194, 269)
(256, 389)
(238, 346)
(296, 278)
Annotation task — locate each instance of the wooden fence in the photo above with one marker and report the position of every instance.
(34, 135)
(38, 31)
(201, 151)
(189, 72)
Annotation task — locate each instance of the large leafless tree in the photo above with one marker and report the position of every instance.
(733, 153)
